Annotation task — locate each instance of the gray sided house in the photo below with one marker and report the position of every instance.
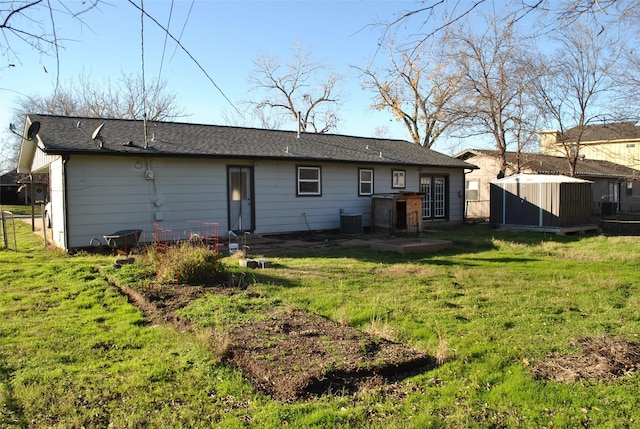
(108, 175)
(615, 187)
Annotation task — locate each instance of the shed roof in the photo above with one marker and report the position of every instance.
(74, 135)
(539, 178)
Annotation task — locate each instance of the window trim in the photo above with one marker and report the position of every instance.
(317, 193)
(361, 182)
(401, 175)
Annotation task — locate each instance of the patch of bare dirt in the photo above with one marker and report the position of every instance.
(159, 304)
(600, 358)
(293, 354)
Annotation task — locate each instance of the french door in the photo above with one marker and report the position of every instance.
(434, 203)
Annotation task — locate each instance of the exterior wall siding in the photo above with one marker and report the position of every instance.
(106, 194)
(623, 153)
(487, 171)
(41, 160)
(456, 194)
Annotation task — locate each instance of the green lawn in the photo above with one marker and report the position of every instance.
(75, 353)
(22, 209)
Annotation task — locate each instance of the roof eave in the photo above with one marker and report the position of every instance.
(108, 152)
(27, 151)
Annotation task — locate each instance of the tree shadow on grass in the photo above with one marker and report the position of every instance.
(466, 239)
(14, 414)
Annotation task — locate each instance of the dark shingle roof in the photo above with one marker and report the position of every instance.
(605, 132)
(10, 178)
(62, 135)
(546, 164)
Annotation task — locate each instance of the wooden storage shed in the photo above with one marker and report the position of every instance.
(397, 212)
(535, 201)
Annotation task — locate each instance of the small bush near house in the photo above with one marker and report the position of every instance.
(185, 264)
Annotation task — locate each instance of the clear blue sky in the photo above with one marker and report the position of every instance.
(224, 37)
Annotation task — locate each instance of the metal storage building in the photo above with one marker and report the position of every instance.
(537, 201)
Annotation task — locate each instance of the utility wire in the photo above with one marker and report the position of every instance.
(186, 52)
(166, 37)
(144, 84)
(56, 46)
(184, 26)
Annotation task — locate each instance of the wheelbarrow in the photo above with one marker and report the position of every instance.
(123, 240)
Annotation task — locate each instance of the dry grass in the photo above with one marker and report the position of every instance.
(220, 342)
(442, 354)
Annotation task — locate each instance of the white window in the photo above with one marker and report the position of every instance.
(473, 186)
(365, 181)
(309, 181)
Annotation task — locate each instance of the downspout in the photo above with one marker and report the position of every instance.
(32, 195)
(464, 194)
(65, 220)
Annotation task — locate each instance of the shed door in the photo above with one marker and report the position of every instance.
(240, 198)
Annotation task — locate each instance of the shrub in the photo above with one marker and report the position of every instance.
(186, 264)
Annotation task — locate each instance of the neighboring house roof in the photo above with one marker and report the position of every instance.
(10, 178)
(557, 165)
(604, 132)
(59, 135)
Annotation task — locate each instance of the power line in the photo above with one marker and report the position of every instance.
(188, 54)
(184, 26)
(144, 84)
(166, 37)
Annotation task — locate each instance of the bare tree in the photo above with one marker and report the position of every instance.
(525, 125)
(8, 156)
(628, 76)
(122, 100)
(33, 22)
(494, 98)
(417, 89)
(303, 90)
(436, 16)
(579, 76)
